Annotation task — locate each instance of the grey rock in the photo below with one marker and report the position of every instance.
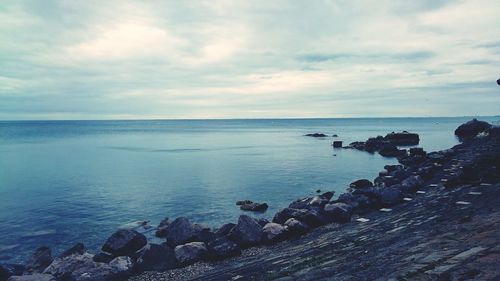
(41, 258)
(338, 212)
(122, 266)
(390, 196)
(223, 248)
(181, 231)
(77, 249)
(103, 257)
(156, 257)
(254, 207)
(411, 184)
(124, 242)
(296, 227)
(273, 232)
(191, 252)
(162, 229)
(247, 232)
(34, 277)
(225, 229)
(8, 270)
(362, 183)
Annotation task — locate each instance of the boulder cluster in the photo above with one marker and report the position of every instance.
(388, 146)
(128, 252)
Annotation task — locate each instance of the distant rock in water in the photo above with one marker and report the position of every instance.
(471, 129)
(254, 207)
(316, 135)
(403, 138)
(498, 82)
(124, 242)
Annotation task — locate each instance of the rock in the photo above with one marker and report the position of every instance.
(162, 229)
(191, 252)
(203, 233)
(471, 129)
(390, 150)
(498, 82)
(68, 264)
(337, 144)
(361, 183)
(411, 184)
(122, 267)
(244, 202)
(316, 135)
(247, 232)
(391, 196)
(417, 151)
(273, 232)
(181, 231)
(8, 270)
(296, 227)
(77, 249)
(103, 257)
(225, 229)
(338, 212)
(41, 258)
(156, 257)
(335, 135)
(223, 248)
(34, 277)
(124, 242)
(310, 217)
(310, 202)
(300, 203)
(328, 195)
(262, 221)
(403, 138)
(392, 168)
(254, 207)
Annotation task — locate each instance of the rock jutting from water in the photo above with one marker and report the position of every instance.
(127, 252)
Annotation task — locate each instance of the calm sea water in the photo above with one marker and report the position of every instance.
(63, 182)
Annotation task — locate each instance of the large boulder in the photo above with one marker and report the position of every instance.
(247, 232)
(124, 242)
(122, 267)
(391, 150)
(191, 252)
(403, 138)
(162, 229)
(471, 129)
(338, 212)
(225, 229)
(156, 257)
(34, 277)
(223, 248)
(296, 227)
(273, 232)
(41, 258)
(310, 217)
(411, 184)
(68, 264)
(103, 257)
(182, 231)
(8, 270)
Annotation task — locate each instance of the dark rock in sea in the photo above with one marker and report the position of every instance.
(247, 232)
(41, 258)
(8, 270)
(335, 136)
(337, 144)
(296, 227)
(362, 183)
(498, 82)
(243, 202)
(403, 138)
(262, 221)
(34, 277)
(338, 212)
(471, 129)
(417, 151)
(124, 242)
(156, 257)
(190, 253)
(390, 150)
(316, 135)
(103, 257)
(255, 207)
(162, 229)
(222, 247)
(77, 249)
(392, 168)
(390, 196)
(225, 229)
(311, 202)
(181, 231)
(273, 232)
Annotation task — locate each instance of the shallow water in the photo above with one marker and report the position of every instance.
(63, 182)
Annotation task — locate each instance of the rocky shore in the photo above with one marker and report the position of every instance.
(436, 216)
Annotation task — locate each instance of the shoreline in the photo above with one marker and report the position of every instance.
(128, 251)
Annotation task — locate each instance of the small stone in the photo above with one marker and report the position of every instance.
(475, 193)
(385, 210)
(407, 199)
(420, 192)
(462, 203)
(362, 220)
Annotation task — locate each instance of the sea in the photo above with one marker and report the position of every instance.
(63, 182)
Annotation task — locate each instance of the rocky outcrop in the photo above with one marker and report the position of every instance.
(404, 138)
(471, 129)
(124, 242)
(156, 257)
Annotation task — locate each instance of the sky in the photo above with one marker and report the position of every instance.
(248, 59)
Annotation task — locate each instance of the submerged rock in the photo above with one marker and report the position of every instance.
(41, 258)
(191, 252)
(124, 242)
(247, 232)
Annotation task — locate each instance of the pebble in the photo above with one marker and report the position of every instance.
(475, 193)
(385, 210)
(462, 203)
(362, 220)
(420, 192)
(407, 199)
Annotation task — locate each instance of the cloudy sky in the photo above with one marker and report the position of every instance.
(248, 59)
